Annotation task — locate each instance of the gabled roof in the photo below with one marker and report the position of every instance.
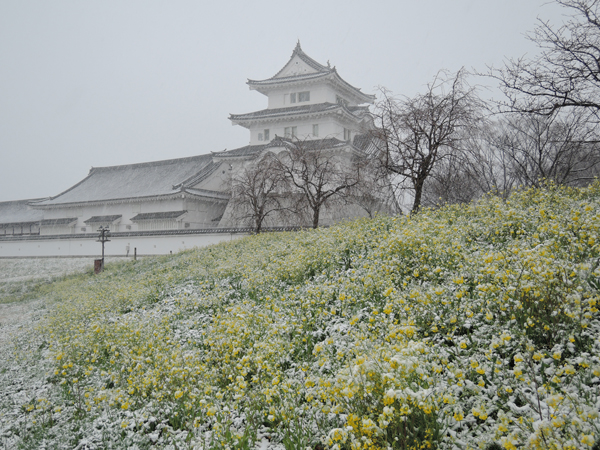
(301, 68)
(134, 181)
(307, 60)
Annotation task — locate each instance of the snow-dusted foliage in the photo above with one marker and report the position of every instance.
(467, 327)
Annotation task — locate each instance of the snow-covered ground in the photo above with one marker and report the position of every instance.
(18, 276)
(33, 268)
(23, 364)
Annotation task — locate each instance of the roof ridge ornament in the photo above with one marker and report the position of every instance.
(298, 47)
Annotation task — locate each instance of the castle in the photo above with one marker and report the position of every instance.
(307, 101)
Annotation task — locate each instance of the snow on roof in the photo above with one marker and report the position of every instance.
(286, 112)
(159, 215)
(131, 181)
(19, 212)
(314, 70)
(247, 150)
(61, 221)
(102, 219)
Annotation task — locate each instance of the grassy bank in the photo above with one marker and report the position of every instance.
(467, 327)
(23, 279)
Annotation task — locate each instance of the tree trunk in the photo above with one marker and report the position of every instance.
(418, 194)
(316, 212)
(258, 226)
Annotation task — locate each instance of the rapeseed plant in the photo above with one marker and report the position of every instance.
(472, 326)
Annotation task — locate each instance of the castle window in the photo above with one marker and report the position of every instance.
(293, 98)
(347, 134)
(315, 130)
(267, 134)
(290, 132)
(304, 96)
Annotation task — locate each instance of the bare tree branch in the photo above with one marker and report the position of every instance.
(318, 172)
(560, 147)
(256, 191)
(566, 74)
(415, 134)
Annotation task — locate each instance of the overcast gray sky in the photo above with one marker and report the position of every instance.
(100, 83)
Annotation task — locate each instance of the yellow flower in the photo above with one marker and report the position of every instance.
(587, 439)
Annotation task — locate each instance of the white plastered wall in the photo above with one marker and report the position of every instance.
(144, 245)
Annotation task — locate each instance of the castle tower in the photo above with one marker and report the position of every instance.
(307, 100)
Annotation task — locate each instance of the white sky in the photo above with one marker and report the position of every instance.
(114, 82)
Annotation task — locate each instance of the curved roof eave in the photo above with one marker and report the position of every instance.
(264, 86)
(335, 109)
(205, 194)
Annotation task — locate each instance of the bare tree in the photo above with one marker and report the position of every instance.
(489, 167)
(453, 180)
(566, 74)
(318, 172)
(415, 134)
(256, 191)
(374, 193)
(558, 147)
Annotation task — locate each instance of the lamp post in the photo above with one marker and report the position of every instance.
(103, 237)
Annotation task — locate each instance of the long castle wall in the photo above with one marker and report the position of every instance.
(158, 243)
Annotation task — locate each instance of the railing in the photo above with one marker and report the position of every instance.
(184, 232)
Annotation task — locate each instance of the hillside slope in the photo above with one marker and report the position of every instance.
(467, 327)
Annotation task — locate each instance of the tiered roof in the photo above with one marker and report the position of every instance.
(360, 142)
(301, 69)
(299, 112)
